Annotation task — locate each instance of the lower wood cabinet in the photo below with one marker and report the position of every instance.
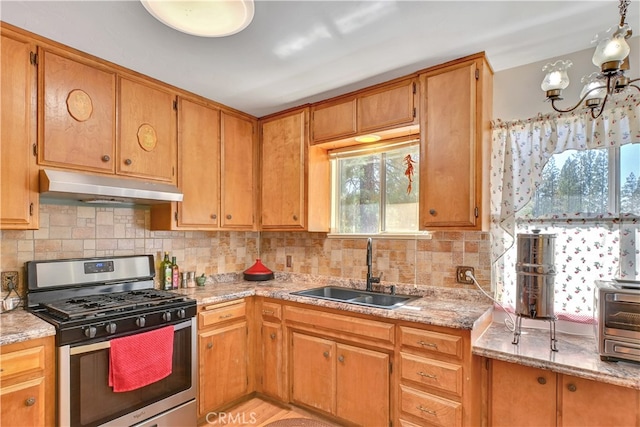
(223, 355)
(272, 370)
(27, 383)
(526, 396)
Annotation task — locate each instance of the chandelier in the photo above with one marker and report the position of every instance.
(611, 57)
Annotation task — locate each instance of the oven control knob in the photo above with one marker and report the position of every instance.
(90, 332)
(166, 316)
(141, 321)
(110, 328)
(181, 313)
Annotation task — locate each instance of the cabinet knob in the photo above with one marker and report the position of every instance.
(432, 212)
(106, 158)
(572, 387)
(128, 162)
(295, 217)
(30, 401)
(210, 345)
(542, 380)
(214, 216)
(228, 216)
(340, 358)
(273, 335)
(326, 354)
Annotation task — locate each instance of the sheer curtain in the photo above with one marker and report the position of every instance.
(587, 248)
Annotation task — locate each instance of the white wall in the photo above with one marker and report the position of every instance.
(517, 93)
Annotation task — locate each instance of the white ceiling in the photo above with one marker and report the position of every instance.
(304, 51)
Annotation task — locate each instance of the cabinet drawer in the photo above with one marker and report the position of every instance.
(433, 373)
(271, 310)
(436, 342)
(211, 315)
(370, 329)
(433, 409)
(22, 361)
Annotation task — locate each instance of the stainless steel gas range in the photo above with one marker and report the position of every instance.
(92, 303)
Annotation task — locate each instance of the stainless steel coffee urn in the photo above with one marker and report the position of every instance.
(535, 274)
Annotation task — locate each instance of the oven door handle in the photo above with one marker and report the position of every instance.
(107, 344)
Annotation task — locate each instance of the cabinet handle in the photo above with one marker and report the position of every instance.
(128, 162)
(226, 316)
(210, 345)
(542, 380)
(228, 216)
(326, 354)
(432, 212)
(106, 158)
(422, 374)
(295, 217)
(214, 216)
(428, 411)
(572, 387)
(273, 335)
(340, 358)
(267, 312)
(428, 344)
(30, 401)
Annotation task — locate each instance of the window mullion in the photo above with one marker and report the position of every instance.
(383, 191)
(614, 180)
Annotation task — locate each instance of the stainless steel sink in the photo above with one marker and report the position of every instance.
(354, 296)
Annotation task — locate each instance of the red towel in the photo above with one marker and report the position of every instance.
(141, 359)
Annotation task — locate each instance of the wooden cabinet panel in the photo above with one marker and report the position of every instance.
(388, 107)
(238, 185)
(18, 170)
(333, 120)
(362, 385)
(283, 154)
(271, 311)
(432, 373)
(213, 315)
(436, 342)
(430, 408)
(521, 395)
(147, 132)
(589, 403)
(222, 366)
(273, 374)
(77, 110)
(23, 404)
(312, 372)
(199, 165)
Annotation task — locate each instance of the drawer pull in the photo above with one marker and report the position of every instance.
(326, 354)
(340, 358)
(106, 158)
(210, 345)
(128, 162)
(226, 316)
(30, 401)
(542, 380)
(572, 387)
(422, 374)
(428, 411)
(267, 312)
(428, 344)
(273, 335)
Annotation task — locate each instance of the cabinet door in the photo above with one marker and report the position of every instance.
(19, 174)
(362, 380)
(283, 172)
(387, 107)
(23, 404)
(272, 361)
(448, 147)
(147, 137)
(78, 114)
(313, 372)
(590, 403)
(521, 396)
(199, 171)
(222, 366)
(238, 172)
(334, 120)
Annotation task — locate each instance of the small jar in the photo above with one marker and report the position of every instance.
(191, 279)
(200, 280)
(184, 280)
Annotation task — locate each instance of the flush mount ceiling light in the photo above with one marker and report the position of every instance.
(368, 138)
(611, 57)
(204, 18)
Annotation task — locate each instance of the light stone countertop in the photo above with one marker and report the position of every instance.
(19, 325)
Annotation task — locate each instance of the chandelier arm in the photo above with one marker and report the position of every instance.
(559, 110)
(601, 109)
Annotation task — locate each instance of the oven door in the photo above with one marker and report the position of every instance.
(87, 400)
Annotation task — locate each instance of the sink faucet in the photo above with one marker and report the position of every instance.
(370, 278)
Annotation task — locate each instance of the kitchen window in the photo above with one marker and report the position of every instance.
(375, 189)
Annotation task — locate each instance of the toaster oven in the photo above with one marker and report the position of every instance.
(617, 320)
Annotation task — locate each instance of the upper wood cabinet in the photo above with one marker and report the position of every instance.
(239, 172)
(18, 170)
(380, 108)
(147, 131)
(77, 113)
(198, 171)
(283, 171)
(455, 145)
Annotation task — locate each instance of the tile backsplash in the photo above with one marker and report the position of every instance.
(86, 231)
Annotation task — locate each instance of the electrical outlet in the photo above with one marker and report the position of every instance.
(9, 280)
(461, 275)
(289, 263)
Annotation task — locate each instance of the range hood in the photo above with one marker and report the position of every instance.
(98, 189)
